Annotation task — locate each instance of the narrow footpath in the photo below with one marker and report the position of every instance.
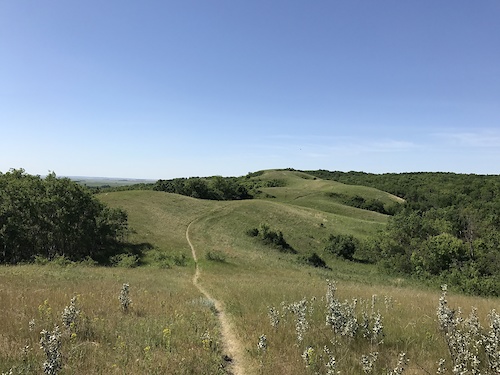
(232, 347)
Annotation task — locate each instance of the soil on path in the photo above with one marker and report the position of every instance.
(232, 347)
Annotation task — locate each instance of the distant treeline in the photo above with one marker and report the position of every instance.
(448, 229)
(214, 188)
(50, 217)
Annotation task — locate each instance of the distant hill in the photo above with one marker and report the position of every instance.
(108, 181)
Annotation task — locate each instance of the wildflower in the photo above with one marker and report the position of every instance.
(206, 340)
(308, 356)
(374, 300)
(342, 317)
(50, 342)
(45, 310)
(274, 317)
(387, 302)
(167, 333)
(400, 367)
(299, 309)
(330, 291)
(301, 323)
(124, 297)
(70, 315)
(31, 325)
(368, 361)
(331, 364)
(441, 366)
(147, 353)
(491, 341)
(378, 329)
(262, 345)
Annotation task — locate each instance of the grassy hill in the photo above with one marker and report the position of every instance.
(172, 328)
(300, 208)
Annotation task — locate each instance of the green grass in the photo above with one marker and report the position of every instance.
(251, 278)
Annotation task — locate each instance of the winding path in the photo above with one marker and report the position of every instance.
(231, 344)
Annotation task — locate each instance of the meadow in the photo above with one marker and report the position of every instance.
(286, 317)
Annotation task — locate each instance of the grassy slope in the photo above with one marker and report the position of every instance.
(305, 190)
(254, 277)
(106, 340)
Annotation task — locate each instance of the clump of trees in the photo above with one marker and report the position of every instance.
(365, 204)
(343, 246)
(454, 245)
(52, 217)
(272, 238)
(214, 188)
(448, 230)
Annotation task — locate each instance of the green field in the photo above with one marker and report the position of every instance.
(173, 328)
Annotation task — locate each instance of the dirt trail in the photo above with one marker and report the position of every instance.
(231, 345)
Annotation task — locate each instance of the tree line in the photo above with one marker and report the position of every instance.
(448, 229)
(214, 188)
(50, 217)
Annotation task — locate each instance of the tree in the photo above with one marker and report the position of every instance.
(341, 245)
(51, 217)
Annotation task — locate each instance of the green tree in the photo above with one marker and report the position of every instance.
(53, 217)
(341, 245)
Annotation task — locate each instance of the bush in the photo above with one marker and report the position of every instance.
(180, 260)
(314, 260)
(272, 238)
(254, 232)
(343, 246)
(125, 260)
(216, 256)
(61, 260)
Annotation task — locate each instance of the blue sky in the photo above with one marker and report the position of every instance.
(164, 89)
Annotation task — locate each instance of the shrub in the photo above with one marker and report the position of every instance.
(61, 260)
(343, 246)
(272, 238)
(125, 260)
(179, 260)
(275, 183)
(314, 260)
(254, 232)
(216, 256)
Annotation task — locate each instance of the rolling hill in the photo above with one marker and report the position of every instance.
(209, 298)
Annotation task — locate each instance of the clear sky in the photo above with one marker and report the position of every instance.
(164, 89)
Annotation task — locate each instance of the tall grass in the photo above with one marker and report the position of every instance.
(168, 328)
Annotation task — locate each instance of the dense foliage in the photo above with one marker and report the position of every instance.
(342, 245)
(272, 238)
(50, 217)
(448, 229)
(365, 204)
(214, 188)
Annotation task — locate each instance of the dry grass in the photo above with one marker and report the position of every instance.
(162, 332)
